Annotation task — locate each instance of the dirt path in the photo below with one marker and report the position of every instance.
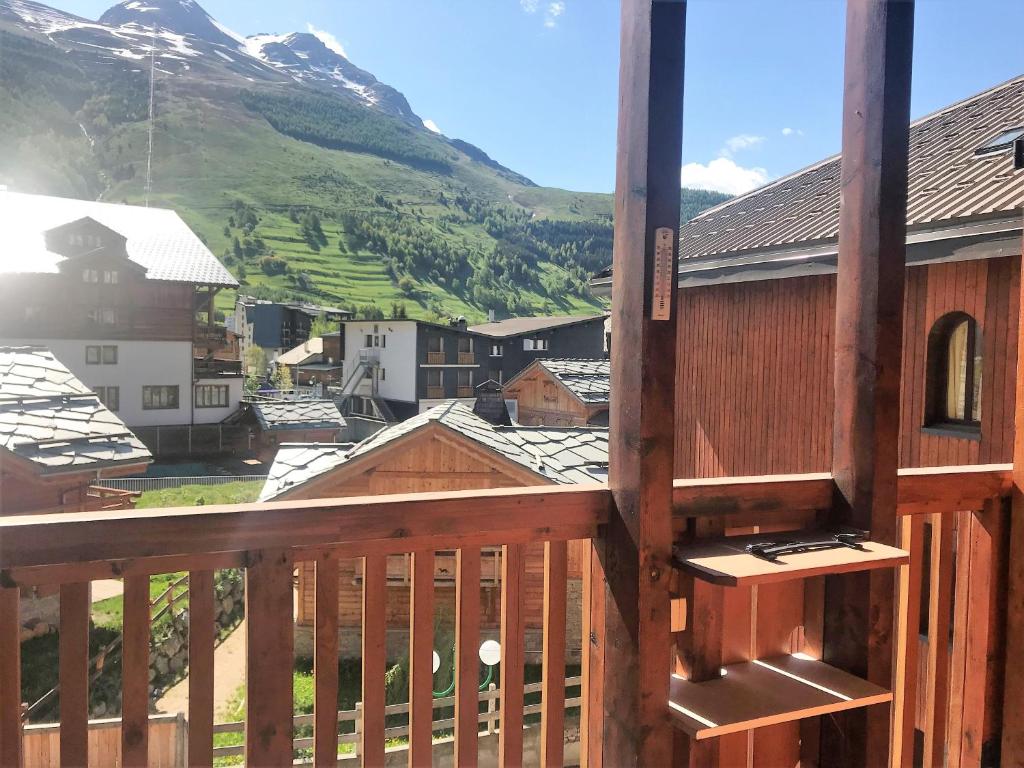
(104, 588)
(228, 675)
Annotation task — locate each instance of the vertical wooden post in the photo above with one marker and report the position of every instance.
(634, 637)
(74, 674)
(421, 650)
(201, 630)
(467, 664)
(269, 658)
(513, 629)
(375, 600)
(10, 678)
(135, 673)
(859, 609)
(1012, 752)
(552, 725)
(325, 662)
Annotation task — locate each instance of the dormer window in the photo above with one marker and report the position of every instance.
(1001, 142)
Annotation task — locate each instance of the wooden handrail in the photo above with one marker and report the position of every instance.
(398, 523)
(355, 526)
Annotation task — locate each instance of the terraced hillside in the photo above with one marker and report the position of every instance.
(310, 179)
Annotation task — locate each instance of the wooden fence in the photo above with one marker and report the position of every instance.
(167, 735)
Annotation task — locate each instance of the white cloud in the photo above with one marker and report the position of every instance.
(792, 132)
(554, 10)
(739, 143)
(530, 6)
(327, 39)
(722, 175)
(430, 125)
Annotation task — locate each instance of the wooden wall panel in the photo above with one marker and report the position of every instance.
(754, 370)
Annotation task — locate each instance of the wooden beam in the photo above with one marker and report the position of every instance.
(325, 662)
(907, 643)
(10, 678)
(269, 659)
(635, 638)
(135, 674)
(1012, 753)
(201, 632)
(940, 599)
(859, 608)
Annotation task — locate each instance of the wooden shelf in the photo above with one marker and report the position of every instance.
(724, 561)
(754, 694)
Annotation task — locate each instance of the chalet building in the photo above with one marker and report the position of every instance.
(57, 439)
(757, 306)
(561, 392)
(123, 296)
(316, 361)
(409, 366)
(519, 341)
(446, 448)
(277, 327)
(273, 422)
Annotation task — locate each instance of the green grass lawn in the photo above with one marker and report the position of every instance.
(196, 495)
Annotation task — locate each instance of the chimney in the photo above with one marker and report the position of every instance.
(491, 316)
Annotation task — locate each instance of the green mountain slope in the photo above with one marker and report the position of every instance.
(305, 195)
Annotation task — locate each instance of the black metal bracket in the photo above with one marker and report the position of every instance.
(773, 550)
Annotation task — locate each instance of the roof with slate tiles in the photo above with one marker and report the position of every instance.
(559, 455)
(589, 380)
(297, 414)
(157, 238)
(50, 418)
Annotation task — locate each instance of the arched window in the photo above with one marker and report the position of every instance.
(954, 372)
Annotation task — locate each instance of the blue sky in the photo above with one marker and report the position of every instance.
(534, 82)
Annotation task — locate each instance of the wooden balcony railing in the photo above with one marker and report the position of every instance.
(435, 358)
(464, 392)
(467, 358)
(71, 549)
(435, 393)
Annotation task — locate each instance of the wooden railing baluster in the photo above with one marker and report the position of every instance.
(553, 696)
(74, 674)
(510, 737)
(201, 632)
(939, 602)
(10, 677)
(421, 650)
(135, 673)
(325, 662)
(269, 648)
(374, 659)
(909, 628)
(467, 670)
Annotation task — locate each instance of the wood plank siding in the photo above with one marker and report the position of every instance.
(754, 370)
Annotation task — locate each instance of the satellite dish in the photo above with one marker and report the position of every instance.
(490, 652)
(437, 662)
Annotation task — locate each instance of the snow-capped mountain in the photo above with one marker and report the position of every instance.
(186, 41)
(306, 57)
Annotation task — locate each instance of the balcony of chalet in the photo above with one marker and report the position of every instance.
(725, 621)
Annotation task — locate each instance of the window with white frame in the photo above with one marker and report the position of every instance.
(109, 396)
(497, 350)
(212, 396)
(535, 345)
(160, 397)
